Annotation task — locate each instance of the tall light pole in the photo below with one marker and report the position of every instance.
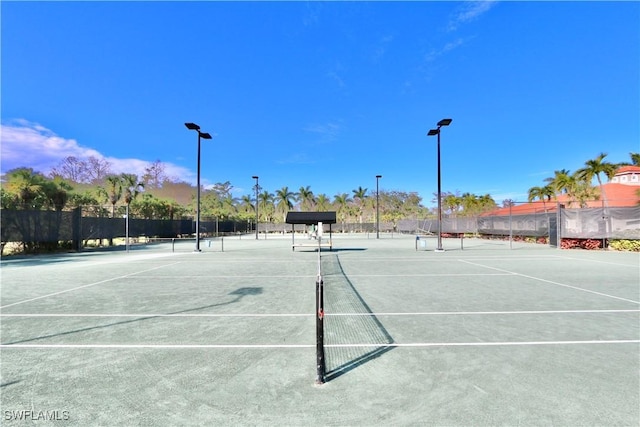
(204, 135)
(443, 122)
(377, 207)
(257, 217)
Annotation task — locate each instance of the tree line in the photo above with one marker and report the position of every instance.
(90, 184)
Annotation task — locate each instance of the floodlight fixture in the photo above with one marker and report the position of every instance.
(201, 135)
(432, 132)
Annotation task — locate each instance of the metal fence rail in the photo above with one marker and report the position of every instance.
(43, 229)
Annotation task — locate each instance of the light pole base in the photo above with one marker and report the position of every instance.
(438, 250)
(197, 250)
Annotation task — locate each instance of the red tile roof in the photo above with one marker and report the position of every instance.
(627, 169)
(618, 195)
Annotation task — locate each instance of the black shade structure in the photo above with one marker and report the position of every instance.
(201, 135)
(310, 218)
(432, 132)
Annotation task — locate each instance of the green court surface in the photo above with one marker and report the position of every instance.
(486, 333)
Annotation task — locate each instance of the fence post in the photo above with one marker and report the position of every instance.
(76, 228)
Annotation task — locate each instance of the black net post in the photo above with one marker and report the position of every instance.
(320, 364)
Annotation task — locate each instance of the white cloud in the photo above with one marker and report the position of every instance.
(329, 131)
(296, 159)
(381, 49)
(27, 144)
(470, 11)
(436, 53)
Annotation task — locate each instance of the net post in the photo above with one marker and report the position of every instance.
(320, 362)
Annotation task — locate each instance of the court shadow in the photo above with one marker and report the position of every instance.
(9, 383)
(239, 294)
(354, 323)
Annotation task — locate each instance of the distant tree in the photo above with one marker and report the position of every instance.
(97, 169)
(265, 203)
(131, 187)
(307, 200)
(562, 182)
(323, 204)
(451, 203)
(112, 191)
(154, 175)
(595, 167)
(88, 201)
(341, 204)
(71, 168)
(359, 195)
(223, 189)
(150, 207)
(57, 192)
(544, 194)
(284, 201)
(25, 187)
(635, 159)
(246, 208)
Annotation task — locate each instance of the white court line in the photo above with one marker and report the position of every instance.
(156, 315)
(276, 346)
(240, 276)
(482, 313)
(208, 276)
(427, 275)
(86, 286)
(599, 261)
(552, 282)
(435, 313)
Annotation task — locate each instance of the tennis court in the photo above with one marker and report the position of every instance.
(486, 333)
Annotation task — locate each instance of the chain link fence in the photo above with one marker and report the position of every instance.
(37, 231)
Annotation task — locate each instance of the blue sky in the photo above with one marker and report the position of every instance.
(324, 94)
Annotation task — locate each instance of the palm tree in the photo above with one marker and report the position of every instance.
(246, 206)
(486, 203)
(322, 203)
(284, 202)
(307, 201)
(265, 203)
(635, 160)
(542, 193)
(453, 203)
(113, 191)
(57, 192)
(27, 187)
(562, 182)
(359, 195)
(469, 204)
(341, 203)
(595, 167)
(131, 186)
